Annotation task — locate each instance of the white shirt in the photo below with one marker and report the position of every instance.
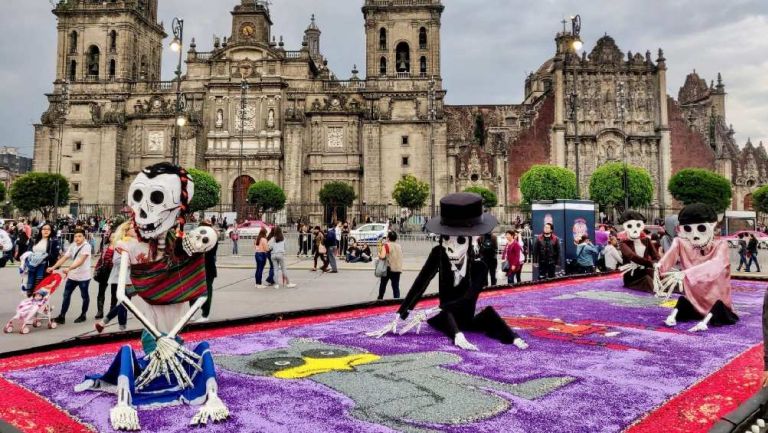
(612, 257)
(82, 272)
(5, 241)
(41, 247)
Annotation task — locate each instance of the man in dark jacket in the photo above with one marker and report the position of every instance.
(489, 248)
(546, 252)
(210, 275)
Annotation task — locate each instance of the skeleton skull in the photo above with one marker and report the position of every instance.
(456, 247)
(155, 201)
(634, 228)
(200, 240)
(699, 235)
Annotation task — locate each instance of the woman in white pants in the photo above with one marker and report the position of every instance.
(277, 246)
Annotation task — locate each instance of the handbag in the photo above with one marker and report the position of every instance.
(505, 266)
(321, 249)
(380, 271)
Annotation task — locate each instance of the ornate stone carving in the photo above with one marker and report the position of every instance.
(155, 141)
(335, 137)
(246, 119)
(606, 52)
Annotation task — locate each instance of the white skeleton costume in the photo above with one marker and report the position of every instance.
(168, 271)
(639, 253)
(705, 272)
(461, 279)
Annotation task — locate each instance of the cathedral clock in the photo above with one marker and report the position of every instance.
(247, 30)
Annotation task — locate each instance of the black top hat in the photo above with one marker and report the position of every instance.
(462, 214)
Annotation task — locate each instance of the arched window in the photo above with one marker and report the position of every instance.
(383, 39)
(423, 38)
(403, 58)
(113, 41)
(112, 68)
(423, 66)
(72, 70)
(383, 66)
(92, 61)
(73, 42)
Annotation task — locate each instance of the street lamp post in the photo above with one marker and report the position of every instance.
(574, 44)
(621, 108)
(177, 45)
(63, 110)
(238, 182)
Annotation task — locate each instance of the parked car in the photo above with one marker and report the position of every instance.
(369, 233)
(250, 229)
(733, 239)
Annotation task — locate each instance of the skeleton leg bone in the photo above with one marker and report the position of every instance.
(702, 326)
(672, 318)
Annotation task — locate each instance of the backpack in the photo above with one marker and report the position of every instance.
(486, 247)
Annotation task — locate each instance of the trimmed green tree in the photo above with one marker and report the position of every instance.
(698, 185)
(548, 182)
(207, 190)
(337, 194)
(760, 199)
(410, 192)
(37, 192)
(490, 199)
(606, 187)
(267, 196)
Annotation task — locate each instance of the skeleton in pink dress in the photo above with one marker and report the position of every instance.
(705, 272)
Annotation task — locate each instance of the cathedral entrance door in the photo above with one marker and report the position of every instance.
(240, 195)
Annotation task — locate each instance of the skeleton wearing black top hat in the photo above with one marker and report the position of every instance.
(461, 278)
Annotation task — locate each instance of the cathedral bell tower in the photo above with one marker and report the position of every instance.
(403, 38)
(251, 23)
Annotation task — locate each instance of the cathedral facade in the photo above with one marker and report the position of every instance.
(256, 110)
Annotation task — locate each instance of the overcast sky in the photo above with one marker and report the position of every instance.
(488, 47)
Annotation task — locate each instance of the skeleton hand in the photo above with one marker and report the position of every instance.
(671, 281)
(630, 268)
(461, 341)
(418, 320)
(391, 327)
(168, 359)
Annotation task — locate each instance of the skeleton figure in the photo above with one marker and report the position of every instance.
(461, 278)
(705, 275)
(167, 271)
(417, 393)
(639, 253)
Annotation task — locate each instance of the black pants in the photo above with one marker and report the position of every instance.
(721, 315)
(323, 258)
(546, 270)
(492, 264)
(487, 321)
(101, 295)
(206, 308)
(395, 277)
(118, 311)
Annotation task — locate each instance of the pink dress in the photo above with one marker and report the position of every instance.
(707, 277)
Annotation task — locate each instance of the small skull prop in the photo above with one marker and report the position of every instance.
(200, 240)
(155, 197)
(456, 247)
(634, 225)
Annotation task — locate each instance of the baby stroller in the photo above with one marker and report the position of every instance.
(37, 309)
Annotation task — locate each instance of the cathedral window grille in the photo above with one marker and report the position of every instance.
(403, 56)
(112, 68)
(73, 42)
(113, 41)
(76, 187)
(423, 38)
(72, 70)
(383, 39)
(92, 62)
(405, 140)
(76, 167)
(383, 67)
(406, 161)
(423, 66)
(78, 146)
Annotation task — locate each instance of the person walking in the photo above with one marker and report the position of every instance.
(123, 236)
(304, 241)
(546, 252)
(78, 275)
(752, 252)
(320, 251)
(513, 265)
(261, 247)
(22, 240)
(234, 236)
(277, 245)
(331, 244)
(742, 253)
(45, 253)
(210, 275)
(612, 255)
(489, 248)
(392, 252)
(271, 275)
(101, 276)
(344, 245)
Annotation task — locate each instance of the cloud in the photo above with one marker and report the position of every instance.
(488, 46)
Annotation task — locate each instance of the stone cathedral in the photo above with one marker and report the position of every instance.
(257, 110)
